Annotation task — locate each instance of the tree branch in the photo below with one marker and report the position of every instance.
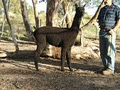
(93, 19)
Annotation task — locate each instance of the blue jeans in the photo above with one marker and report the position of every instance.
(108, 49)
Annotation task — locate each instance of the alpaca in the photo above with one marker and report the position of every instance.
(59, 37)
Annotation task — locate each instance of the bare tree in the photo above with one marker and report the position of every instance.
(2, 28)
(49, 13)
(11, 28)
(25, 19)
(65, 8)
(35, 13)
(52, 8)
(4, 18)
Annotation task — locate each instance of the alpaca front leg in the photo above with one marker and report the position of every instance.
(63, 56)
(38, 51)
(36, 60)
(68, 57)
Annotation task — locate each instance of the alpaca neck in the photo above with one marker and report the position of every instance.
(76, 21)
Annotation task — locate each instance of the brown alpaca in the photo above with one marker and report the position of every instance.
(59, 37)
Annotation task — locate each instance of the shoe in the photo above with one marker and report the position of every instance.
(101, 70)
(108, 72)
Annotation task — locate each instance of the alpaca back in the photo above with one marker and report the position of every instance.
(50, 29)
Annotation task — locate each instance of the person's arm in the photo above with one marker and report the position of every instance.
(117, 26)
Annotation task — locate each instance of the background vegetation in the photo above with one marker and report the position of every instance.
(17, 21)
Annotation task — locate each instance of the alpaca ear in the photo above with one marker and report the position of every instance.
(84, 5)
(34, 27)
(76, 5)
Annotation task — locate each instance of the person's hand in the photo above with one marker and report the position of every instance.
(104, 0)
(81, 29)
(112, 31)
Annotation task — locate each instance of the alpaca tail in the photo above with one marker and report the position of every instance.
(35, 32)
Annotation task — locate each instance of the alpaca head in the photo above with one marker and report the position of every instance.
(80, 10)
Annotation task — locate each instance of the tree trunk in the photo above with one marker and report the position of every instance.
(82, 38)
(2, 28)
(57, 4)
(3, 23)
(49, 13)
(52, 8)
(26, 20)
(35, 13)
(65, 8)
(12, 31)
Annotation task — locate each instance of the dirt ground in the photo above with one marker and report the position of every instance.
(17, 72)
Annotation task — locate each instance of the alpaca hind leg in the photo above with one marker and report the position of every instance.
(38, 51)
(63, 57)
(68, 57)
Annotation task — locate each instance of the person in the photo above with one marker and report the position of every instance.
(109, 22)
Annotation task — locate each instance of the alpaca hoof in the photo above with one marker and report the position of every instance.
(71, 70)
(37, 69)
(62, 70)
